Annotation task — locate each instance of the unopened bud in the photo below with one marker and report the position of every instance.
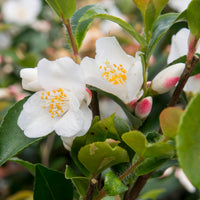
(30, 79)
(167, 78)
(143, 108)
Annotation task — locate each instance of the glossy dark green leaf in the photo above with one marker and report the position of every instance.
(29, 166)
(136, 141)
(98, 12)
(100, 155)
(135, 122)
(188, 140)
(160, 27)
(64, 8)
(193, 17)
(121, 125)
(12, 138)
(150, 164)
(51, 185)
(113, 185)
(153, 194)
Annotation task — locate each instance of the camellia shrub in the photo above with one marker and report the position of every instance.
(111, 158)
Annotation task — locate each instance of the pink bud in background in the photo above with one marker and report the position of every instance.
(167, 78)
(143, 108)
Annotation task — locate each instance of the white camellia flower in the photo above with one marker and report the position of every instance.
(179, 5)
(21, 12)
(193, 84)
(60, 105)
(179, 46)
(114, 71)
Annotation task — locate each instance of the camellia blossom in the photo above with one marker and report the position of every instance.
(167, 78)
(193, 84)
(179, 5)
(114, 71)
(61, 104)
(21, 12)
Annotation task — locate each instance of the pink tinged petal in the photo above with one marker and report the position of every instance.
(62, 73)
(30, 79)
(143, 108)
(179, 45)
(131, 105)
(74, 123)
(193, 84)
(167, 78)
(34, 120)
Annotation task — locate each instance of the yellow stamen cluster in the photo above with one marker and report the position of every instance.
(113, 73)
(55, 100)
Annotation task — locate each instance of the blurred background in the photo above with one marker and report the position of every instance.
(29, 31)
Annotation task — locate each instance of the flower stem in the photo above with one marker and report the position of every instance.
(72, 40)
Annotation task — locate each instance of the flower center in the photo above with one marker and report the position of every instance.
(55, 101)
(116, 74)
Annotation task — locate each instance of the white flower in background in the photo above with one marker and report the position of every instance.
(180, 175)
(167, 78)
(179, 45)
(179, 5)
(62, 104)
(21, 12)
(114, 71)
(107, 26)
(5, 39)
(179, 48)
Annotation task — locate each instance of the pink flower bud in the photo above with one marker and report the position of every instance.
(143, 108)
(167, 78)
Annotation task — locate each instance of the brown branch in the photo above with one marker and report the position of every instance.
(92, 185)
(95, 104)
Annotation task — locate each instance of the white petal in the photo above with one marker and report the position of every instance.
(62, 73)
(179, 5)
(134, 79)
(179, 46)
(30, 79)
(108, 49)
(34, 120)
(74, 123)
(193, 84)
(67, 142)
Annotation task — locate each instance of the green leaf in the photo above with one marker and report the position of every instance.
(100, 155)
(51, 185)
(159, 149)
(64, 8)
(150, 164)
(102, 130)
(188, 140)
(29, 166)
(136, 140)
(153, 194)
(160, 27)
(135, 122)
(12, 138)
(81, 183)
(121, 125)
(113, 186)
(98, 12)
(193, 17)
(169, 121)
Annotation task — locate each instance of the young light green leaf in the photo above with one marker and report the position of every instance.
(12, 138)
(169, 121)
(150, 164)
(54, 184)
(113, 186)
(100, 155)
(159, 149)
(136, 140)
(193, 17)
(98, 12)
(135, 122)
(188, 140)
(29, 166)
(63, 8)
